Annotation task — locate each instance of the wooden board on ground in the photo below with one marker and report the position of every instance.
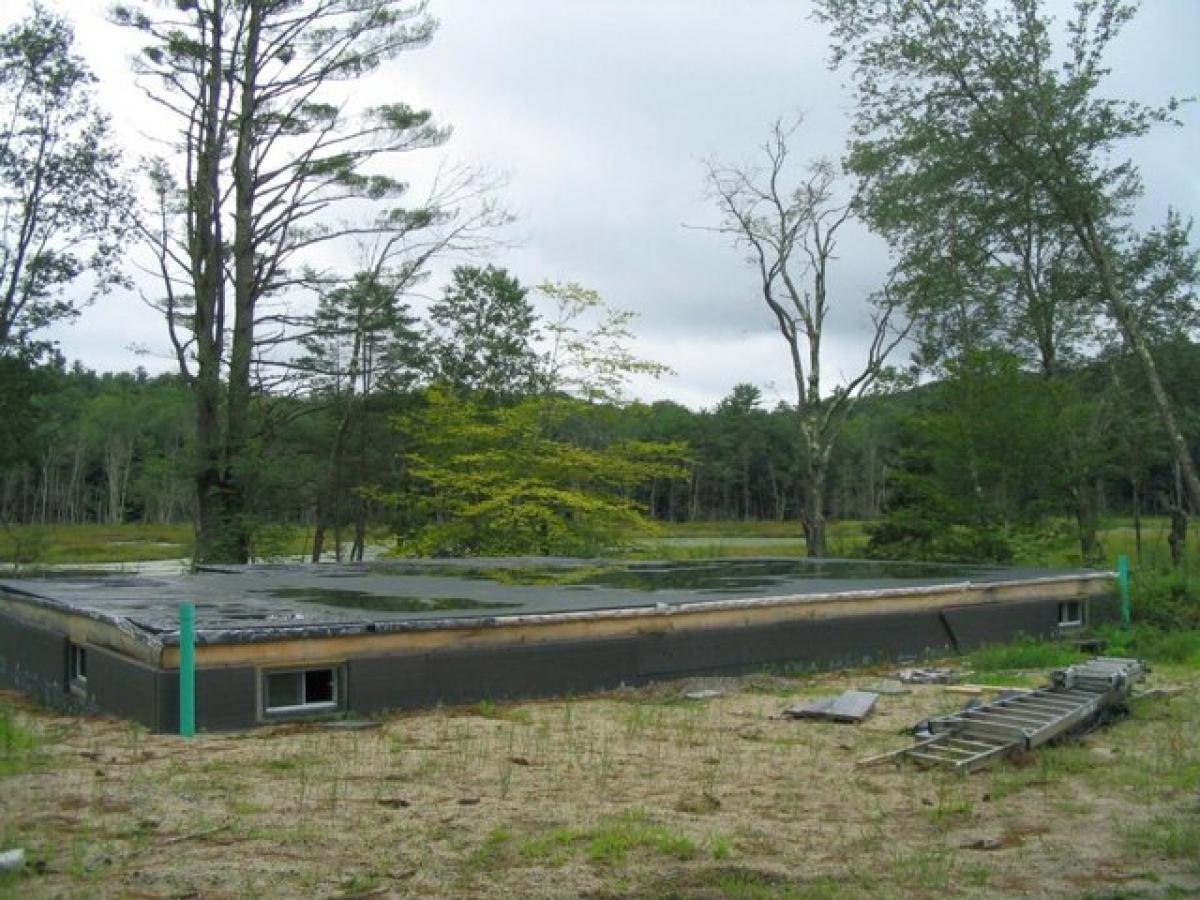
(850, 706)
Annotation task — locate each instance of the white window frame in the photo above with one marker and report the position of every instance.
(77, 667)
(1064, 611)
(297, 708)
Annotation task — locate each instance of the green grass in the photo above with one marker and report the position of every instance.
(1052, 545)
(50, 544)
(732, 528)
(607, 843)
(1167, 837)
(747, 884)
(1023, 653)
(547, 848)
(612, 840)
(1179, 647)
(844, 538)
(38, 545)
(18, 745)
(716, 550)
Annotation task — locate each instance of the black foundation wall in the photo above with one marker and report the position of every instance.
(1104, 609)
(34, 660)
(450, 676)
(459, 676)
(123, 687)
(226, 699)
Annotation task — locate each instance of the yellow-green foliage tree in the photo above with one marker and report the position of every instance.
(502, 481)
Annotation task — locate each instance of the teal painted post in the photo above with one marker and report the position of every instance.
(187, 670)
(1123, 582)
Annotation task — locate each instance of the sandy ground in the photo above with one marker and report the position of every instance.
(635, 793)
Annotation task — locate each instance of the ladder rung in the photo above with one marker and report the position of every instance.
(972, 728)
(1047, 699)
(979, 745)
(1053, 699)
(985, 716)
(940, 760)
(1018, 712)
(1057, 708)
(950, 748)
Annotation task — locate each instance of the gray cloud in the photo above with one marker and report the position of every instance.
(600, 111)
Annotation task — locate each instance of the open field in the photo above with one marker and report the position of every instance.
(636, 793)
(34, 546)
(37, 545)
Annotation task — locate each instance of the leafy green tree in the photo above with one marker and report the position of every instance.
(486, 333)
(161, 490)
(973, 123)
(271, 163)
(1161, 272)
(971, 468)
(20, 383)
(114, 427)
(364, 340)
(63, 202)
(495, 480)
(740, 420)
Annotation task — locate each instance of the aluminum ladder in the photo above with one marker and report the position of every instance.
(971, 738)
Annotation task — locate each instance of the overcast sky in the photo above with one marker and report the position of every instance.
(600, 111)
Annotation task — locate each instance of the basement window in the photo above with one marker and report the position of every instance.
(77, 668)
(1070, 613)
(300, 691)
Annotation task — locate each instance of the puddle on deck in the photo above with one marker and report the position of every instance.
(349, 599)
(723, 576)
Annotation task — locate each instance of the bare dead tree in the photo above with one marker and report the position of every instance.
(790, 230)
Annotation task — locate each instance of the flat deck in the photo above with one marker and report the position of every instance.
(264, 603)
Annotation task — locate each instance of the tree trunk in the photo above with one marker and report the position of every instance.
(359, 548)
(1177, 537)
(118, 459)
(1137, 518)
(745, 487)
(245, 263)
(1085, 518)
(814, 506)
(318, 545)
(206, 263)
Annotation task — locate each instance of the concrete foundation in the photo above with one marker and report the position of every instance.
(329, 661)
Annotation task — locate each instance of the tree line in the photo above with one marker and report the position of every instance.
(963, 468)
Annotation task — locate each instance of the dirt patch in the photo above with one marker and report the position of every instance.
(634, 793)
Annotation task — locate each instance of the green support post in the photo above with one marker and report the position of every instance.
(1123, 583)
(187, 670)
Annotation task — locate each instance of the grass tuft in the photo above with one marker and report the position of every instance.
(615, 838)
(1023, 653)
(1167, 837)
(18, 745)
